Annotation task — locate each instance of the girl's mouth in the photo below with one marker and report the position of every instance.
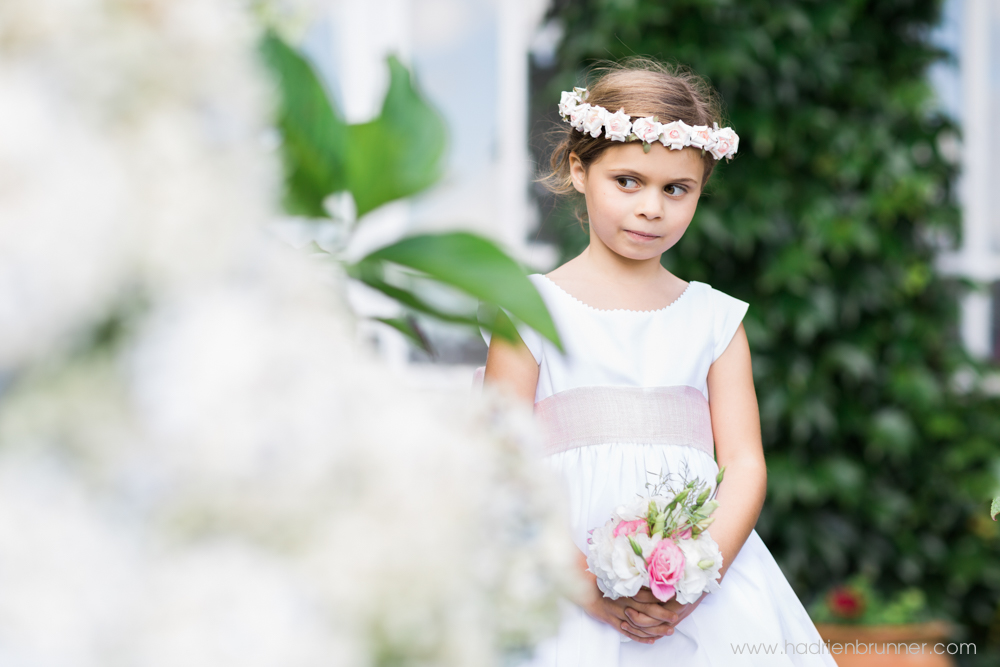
(640, 237)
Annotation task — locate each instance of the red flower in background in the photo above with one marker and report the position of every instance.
(846, 602)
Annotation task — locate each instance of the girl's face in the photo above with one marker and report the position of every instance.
(639, 203)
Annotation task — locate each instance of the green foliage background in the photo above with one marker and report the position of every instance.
(823, 223)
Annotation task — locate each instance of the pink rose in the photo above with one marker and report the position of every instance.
(683, 535)
(568, 102)
(647, 129)
(618, 125)
(675, 135)
(593, 121)
(631, 528)
(578, 114)
(701, 136)
(726, 143)
(665, 565)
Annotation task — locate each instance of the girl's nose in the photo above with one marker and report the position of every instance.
(649, 205)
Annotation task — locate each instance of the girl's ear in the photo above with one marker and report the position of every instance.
(578, 173)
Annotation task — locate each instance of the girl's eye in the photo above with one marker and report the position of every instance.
(626, 182)
(675, 190)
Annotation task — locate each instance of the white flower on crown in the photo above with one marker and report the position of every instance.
(726, 143)
(701, 137)
(647, 129)
(593, 120)
(618, 125)
(675, 135)
(577, 116)
(570, 100)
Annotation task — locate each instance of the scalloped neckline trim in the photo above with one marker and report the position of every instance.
(619, 310)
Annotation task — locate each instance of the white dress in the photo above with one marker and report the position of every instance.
(627, 400)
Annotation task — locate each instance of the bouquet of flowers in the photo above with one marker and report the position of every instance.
(661, 541)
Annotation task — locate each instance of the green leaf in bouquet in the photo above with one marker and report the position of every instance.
(477, 267)
(702, 525)
(314, 137)
(659, 524)
(635, 546)
(399, 153)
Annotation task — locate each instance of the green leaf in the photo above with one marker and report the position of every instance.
(635, 546)
(496, 321)
(399, 153)
(314, 137)
(370, 273)
(396, 155)
(477, 267)
(995, 508)
(409, 328)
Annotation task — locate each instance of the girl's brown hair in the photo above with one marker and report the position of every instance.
(642, 87)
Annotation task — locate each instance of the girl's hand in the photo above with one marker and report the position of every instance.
(615, 613)
(642, 623)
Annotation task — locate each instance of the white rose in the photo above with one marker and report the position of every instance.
(675, 135)
(618, 125)
(647, 543)
(578, 114)
(701, 136)
(633, 511)
(702, 560)
(647, 129)
(600, 551)
(593, 121)
(628, 567)
(568, 102)
(726, 143)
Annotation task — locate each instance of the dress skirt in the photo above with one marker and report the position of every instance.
(755, 619)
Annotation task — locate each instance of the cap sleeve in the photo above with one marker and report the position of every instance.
(531, 338)
(728, 312)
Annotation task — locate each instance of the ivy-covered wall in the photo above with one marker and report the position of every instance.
(824, 223)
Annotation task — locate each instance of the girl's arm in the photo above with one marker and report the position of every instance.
(736, 428)
(738, 446)
(511, 366)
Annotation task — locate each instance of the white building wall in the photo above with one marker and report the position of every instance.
(972, 30)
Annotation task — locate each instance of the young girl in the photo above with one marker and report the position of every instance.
(655, 378)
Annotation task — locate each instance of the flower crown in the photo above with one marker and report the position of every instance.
(592, 119)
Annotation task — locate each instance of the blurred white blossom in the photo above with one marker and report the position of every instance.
(198, 464)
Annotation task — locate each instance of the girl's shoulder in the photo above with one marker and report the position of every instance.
(725, 313)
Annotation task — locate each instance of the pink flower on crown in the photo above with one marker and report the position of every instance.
(647, 129)
(631, 528)
(578, 114)
(593, 121)
(701, 136)
(568, 102)
(618, 125)
(675, 135)
(726, 143)
(665, 566)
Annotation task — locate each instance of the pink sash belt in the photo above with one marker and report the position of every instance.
(677, 415)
